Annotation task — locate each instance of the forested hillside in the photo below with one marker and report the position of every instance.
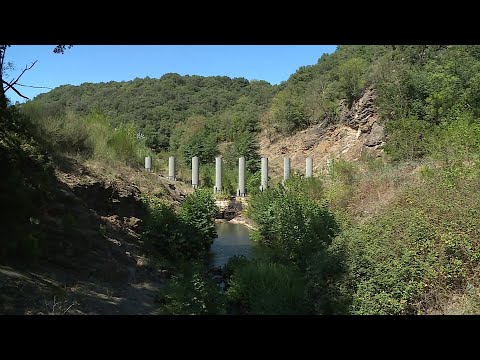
(393, 233)
(157, 105)
(416, 86)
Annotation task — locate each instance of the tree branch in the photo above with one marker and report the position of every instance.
(18, 93)
(10, 85)
(35, 87)
(31, 86)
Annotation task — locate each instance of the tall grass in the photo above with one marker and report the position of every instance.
(93, 136)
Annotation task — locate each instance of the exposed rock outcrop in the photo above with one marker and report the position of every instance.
(358, 131)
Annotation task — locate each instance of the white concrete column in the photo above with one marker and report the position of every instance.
(195, 172)
(264, 179)
(171, 168)
(309, 167)
(241, 177)
(148, 163)
(218, 175)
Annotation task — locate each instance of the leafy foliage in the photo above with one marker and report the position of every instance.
(183, 236)
(90, 136)
(25, 188)
(157, 106)
(291, 224)
(191, 292)
(266, 288)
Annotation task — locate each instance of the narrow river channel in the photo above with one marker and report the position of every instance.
(233, 239)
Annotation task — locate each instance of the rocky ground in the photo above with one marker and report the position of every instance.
(95, 263)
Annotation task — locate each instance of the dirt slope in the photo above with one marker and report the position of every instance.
(94, 263)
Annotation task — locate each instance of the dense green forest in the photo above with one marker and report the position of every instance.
(168, 109)
(396, 235)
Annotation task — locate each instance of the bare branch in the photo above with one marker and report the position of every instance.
(35, 87)
(19, 76)
(69, 308)
(18, 93)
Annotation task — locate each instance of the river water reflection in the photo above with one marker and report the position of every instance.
(233, 239)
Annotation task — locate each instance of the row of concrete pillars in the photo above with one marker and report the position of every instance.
(241, 172)
(171, 166)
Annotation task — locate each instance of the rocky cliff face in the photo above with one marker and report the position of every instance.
(358, 132)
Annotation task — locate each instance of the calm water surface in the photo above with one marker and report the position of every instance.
(233, 239)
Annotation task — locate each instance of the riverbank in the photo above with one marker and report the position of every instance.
(238, 220)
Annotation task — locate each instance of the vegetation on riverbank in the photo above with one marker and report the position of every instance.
(394, 235)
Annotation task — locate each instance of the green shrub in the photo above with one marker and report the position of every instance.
(90, 136)
(351, 77)
(199, 211)
(406, 259)
(344, 171)
(207, 176)
(252, 182)
(311, 187)
(266, 288)
(291, 224)
(456, 146)
(186, 235)
(191, 292)
(386, 266)
(25, 188)
(407, 138)
(232, 265)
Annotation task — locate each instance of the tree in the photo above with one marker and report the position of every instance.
(11, 85)
(351, 75)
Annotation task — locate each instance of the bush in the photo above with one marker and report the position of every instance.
(266, 288)
(456, 146)
(25, 188)
(66, 133)
(407, 138)
(406, 260)
(199, 211)
(232, 265)
(291, 224)
(351, 77)
(186, 235)
(311, 187)
(252, 182)
(343, 171)
(207, 176)
(191, 292)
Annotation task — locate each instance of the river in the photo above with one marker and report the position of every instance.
(232, 239)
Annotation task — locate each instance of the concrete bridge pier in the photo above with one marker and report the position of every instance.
(148, 163)
(264, 179)
(171, 168)
(309, 167)
(241, 177)
(218, 175)
(195, 172)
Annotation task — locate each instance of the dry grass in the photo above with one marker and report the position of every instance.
(374, 192)
(122, 177)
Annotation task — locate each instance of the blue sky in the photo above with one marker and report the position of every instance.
(103, 63)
